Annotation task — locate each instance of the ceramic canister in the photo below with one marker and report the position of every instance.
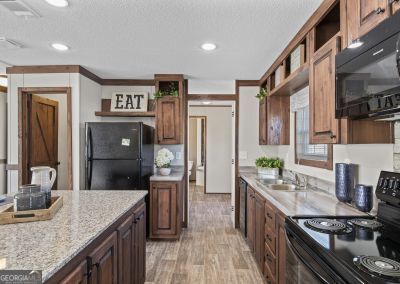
(363, 197)
(344, 181)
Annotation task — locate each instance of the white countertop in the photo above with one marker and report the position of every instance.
(174, 176)
(49, 245)
(302, 202)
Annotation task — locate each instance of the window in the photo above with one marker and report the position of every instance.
(315, 155)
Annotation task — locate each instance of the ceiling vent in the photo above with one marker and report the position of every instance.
(19, 8)
(8, 44)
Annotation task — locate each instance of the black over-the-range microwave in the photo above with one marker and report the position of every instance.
(368, 75)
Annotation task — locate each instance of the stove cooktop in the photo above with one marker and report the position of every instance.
(364, 245)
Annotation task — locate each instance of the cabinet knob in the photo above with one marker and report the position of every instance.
(88, 274)
(333, 136)
(379, 10)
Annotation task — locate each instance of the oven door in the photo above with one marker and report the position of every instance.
(369, 84)
(302, 266)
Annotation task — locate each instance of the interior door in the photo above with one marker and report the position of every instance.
(43, 134)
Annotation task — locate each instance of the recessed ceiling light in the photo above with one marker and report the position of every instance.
(355, 43)
(208, 46)
(60, 46)
(58, 3)
(206, 103)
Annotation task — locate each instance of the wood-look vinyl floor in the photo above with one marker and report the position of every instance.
(209, 251)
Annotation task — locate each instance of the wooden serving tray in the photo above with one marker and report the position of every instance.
(9, 216)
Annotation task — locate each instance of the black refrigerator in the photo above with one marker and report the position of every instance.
(119, 156)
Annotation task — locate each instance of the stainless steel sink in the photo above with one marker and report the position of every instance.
(291, 187)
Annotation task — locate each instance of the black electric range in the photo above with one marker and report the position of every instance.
(348, 249)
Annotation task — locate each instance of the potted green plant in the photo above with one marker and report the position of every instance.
(268, 167)
(262, 94)
(170, 91)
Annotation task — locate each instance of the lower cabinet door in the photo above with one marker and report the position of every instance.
(77, 276)
(103, 261)
(126, 251)
(164, 197)
(140, 245)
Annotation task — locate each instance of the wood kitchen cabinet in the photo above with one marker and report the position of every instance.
(395, 6)
(139, 244)
(324, 127)
(132, 248)
(165, 210)
(364, 15)
(103, 262)
(169, 110)
(251, 217)
(263, 128)
(118, 255)
(78, 275)
(266, 236)
(278, 117)
(259, 244)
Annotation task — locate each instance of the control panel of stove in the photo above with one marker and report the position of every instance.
(388, 187)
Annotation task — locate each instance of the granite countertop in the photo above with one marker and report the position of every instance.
(49, 245)
(176, 175)
(311, 202)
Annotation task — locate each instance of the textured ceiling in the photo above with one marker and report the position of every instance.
(138, 38)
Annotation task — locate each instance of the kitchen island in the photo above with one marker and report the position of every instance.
(97, 236)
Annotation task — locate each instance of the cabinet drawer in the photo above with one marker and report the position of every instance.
(269, 278)
(270, 260)
(270, 239)
(269, 216)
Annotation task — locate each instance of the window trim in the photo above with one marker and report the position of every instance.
(328, 164)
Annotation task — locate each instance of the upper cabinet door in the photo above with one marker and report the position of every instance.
(263, 131)
(324, 128)
(168, 121)
(363, 15)
(278, 114)
(395, 6)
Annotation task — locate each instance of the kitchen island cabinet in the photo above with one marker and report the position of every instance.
(96, 237)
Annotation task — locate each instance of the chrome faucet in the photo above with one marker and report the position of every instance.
(298, 180)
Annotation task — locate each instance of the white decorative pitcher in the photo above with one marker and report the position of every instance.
(41, 176)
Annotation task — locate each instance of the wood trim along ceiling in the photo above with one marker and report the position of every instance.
(248, 83)
(81, 70)
(322, 10)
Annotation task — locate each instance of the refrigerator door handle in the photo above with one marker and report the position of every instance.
(89, 171)
(89, 158)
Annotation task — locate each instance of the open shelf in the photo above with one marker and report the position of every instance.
(293, 82)
(125, 114)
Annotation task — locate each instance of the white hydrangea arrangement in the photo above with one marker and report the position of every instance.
(164, 158)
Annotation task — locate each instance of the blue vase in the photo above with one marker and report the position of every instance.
(363, 197)
(344, 181)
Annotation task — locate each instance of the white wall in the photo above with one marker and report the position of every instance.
(62, 172)
(41, 80)
(370, 158)
(248, 129)
(192, 147)
(211, 87)
(219, 147)
(3, 142)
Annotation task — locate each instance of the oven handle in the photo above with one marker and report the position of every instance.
(303, 261)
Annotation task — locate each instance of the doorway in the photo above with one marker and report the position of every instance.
(45, 133)
(198, 151)
(219, 148)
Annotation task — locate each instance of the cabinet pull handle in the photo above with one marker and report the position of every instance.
(88, 274)
(379, 10)
(269, 216)
(333, 136)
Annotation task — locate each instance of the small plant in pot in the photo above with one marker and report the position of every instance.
(268, 167)
(163, 161)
